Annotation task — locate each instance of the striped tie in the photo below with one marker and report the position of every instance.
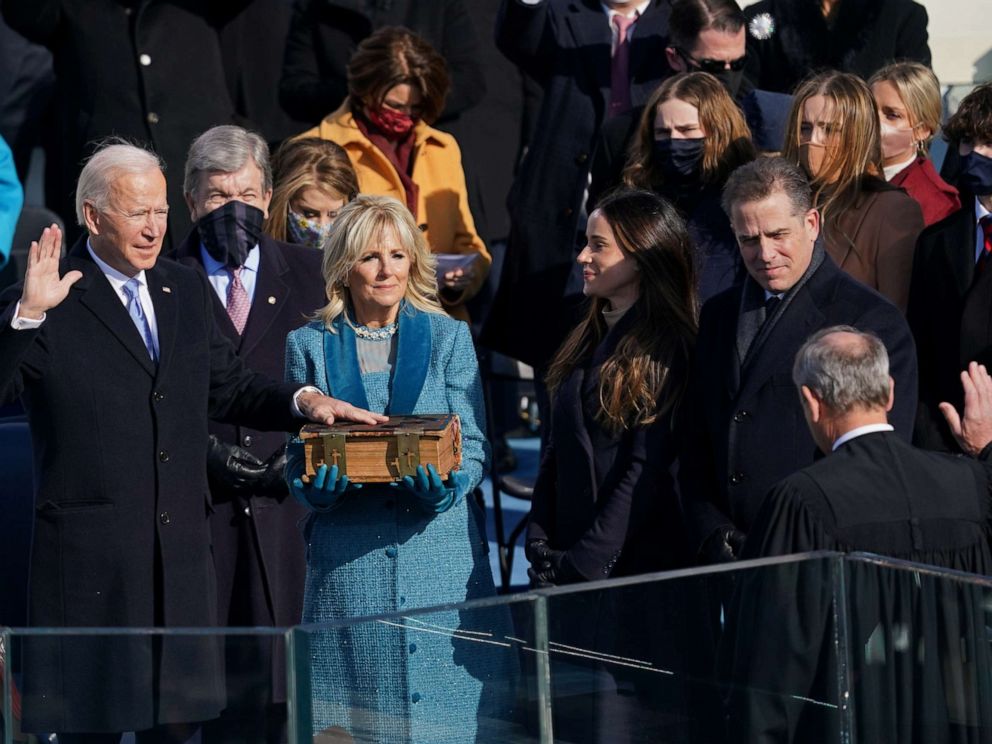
(237, 300)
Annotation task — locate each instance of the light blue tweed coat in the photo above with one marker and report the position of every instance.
(445, 677)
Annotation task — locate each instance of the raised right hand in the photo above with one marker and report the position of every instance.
(43, 287)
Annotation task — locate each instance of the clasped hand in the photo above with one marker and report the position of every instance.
(431, 493)
(324, 490)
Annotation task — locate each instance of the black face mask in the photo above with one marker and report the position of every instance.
(976, 174)
(731, 80)
(230, 232)
(680, 159)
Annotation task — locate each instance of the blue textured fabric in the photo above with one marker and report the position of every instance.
(11, 201)
(445, 677)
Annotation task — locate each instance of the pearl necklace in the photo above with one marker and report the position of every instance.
(377, 334)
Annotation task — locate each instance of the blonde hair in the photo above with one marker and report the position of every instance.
(727, 142)
(919, 90)
(359, 224)
(857, 156)
(308, 162)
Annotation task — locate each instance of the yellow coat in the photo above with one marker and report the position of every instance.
(442, 204)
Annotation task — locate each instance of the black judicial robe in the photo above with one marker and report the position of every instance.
(919, 659)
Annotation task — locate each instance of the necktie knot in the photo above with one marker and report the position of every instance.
(623, 24)
(131, 287)
(986, 223)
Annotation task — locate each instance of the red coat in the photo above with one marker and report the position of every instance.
(936, 197)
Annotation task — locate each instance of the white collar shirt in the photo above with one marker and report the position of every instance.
(980, 212)
(118, 280)
(858, 432)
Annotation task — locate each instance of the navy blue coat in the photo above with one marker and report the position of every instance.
(745, 428)
(258, 549)
(607, 498)
(121, 536)
(565, 46)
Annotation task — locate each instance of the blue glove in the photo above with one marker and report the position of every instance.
(325, 490)
(433, 495)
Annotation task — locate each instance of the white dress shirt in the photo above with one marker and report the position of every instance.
(980, 212)
(860, 431)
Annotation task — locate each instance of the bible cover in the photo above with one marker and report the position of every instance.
(383, 453)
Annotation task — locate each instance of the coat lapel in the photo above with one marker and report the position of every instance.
(271, 295)
(100, 299)
(647, 49)
(344, 378)
(960, 251)
(188, 254)
(413, 358)
(571, 394)
(797, 322)
(593, 41)
(163, 294)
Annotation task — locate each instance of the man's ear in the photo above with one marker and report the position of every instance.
(191, 206)
(812, 403)
(674, 59)
(91, 216)
(892, 395)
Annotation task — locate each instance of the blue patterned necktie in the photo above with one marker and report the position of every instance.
(137, 314)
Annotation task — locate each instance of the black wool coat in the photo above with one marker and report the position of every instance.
(564, 45)
(262, 529)
(744, 428)
(607, 497)
(866, 36)
(121, 536)
(151, 71)
(950, 313)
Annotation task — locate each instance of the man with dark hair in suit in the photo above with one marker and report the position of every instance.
(918, 653)
(257, 547)
(745, 427)
(950, 296)
(119, 363)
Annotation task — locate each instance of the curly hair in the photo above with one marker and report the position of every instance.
(358, 225)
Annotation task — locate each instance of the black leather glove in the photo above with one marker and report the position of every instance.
(723, 545)
(231, 468)
(548, 567)
(273, 481)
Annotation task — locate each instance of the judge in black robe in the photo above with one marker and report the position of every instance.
(918, 665)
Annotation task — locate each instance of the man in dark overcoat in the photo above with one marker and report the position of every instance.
(258, 547)
(572, 48)
(151, 71)
(119, 364)
(745, 428)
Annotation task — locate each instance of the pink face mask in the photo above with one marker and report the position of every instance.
(896, 142)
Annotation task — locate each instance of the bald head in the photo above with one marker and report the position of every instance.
(845, 369)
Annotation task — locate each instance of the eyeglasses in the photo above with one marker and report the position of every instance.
(713, 66)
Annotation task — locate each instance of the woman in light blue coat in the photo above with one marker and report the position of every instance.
(384, 343)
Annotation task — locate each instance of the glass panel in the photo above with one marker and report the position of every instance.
(91, 681)
(458, 674)
(706, 657)
(921, 663)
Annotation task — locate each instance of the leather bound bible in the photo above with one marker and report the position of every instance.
(383, 453)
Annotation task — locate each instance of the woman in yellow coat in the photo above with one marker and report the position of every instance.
(397, 83)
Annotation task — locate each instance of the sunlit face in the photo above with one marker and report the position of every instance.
(608, 271)
(818, 124)
(712, 46)
(317, 205)
(128, 234)
(404, 99)
(676, 119)
(377, 282)
(896, 116)
(776, 245)
(982, 147)
(217, 189)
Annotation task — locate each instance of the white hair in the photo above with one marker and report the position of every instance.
(844, 375)
(226, 149)
(114, 158)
